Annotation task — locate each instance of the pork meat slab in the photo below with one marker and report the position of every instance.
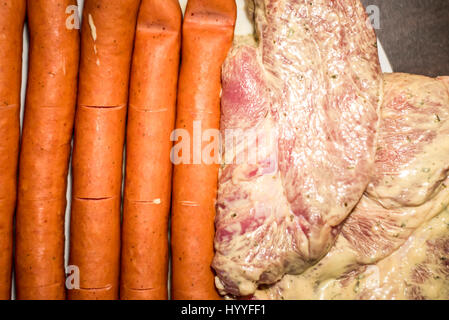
(395, 244)
(409, 184)
(418, 270)
(299, 121)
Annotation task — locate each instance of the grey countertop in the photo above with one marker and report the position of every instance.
(415, 34)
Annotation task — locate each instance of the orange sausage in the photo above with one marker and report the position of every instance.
(151, 119)
(206, 37)
(98, 152)
(107, 36)
(45, 151)
(12, 16)
(95, 244)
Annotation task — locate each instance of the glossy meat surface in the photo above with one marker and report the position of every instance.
(299, 121)
(409, 184)
(395, 244)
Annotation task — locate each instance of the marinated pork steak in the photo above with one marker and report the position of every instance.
(395, 244)
(419, 269)
(299, 121)
(411, 168)
(414, 126)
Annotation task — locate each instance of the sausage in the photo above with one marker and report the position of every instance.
(151, 119)
(107, 36)
(97, 230)
(206, 37)
(95, 219)
(45, 151)
(12, 16)
(98, 150)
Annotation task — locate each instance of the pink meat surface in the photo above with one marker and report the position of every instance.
(299, 121)
(411, 158)
(410, 179)
(395, 243)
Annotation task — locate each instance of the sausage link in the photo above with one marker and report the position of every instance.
(12, 16)
(207, 35)
(107, 36)
(94, 244)
(45, 152)
(151, 119)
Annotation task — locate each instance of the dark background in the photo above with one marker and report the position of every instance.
(415, 34)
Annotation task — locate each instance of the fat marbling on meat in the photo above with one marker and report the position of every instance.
(409, 184)
(395, 244)
(299, 121)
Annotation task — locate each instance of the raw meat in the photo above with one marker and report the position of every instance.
(411, 169)
(414, 127)
(299, 121)
(418, 270)
(395, 244)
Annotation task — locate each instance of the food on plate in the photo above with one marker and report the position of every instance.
(207, 35)
(151, 119)
(395, 244)
(107, 36)
(12, 16)
(299, 121)
(45, 151)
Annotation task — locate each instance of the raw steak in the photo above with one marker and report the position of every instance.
(411, 169)
(414, 126)
(419, 269)
(299, 120)
(395, 244)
